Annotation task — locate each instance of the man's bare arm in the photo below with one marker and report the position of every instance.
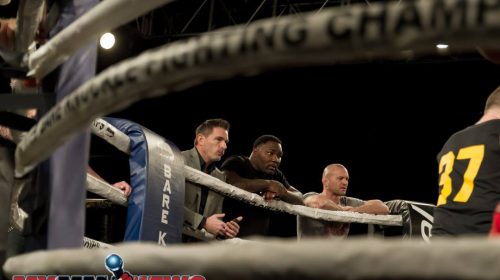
(319, 201)
(372, 207)
(7, 27)
(293, 196)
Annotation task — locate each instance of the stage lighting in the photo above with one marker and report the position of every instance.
(107, 41)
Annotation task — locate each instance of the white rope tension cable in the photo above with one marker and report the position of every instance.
(105, 190)
(357, 258)
(217, 185)
(90, 243)
(29, 16)
(111, 134)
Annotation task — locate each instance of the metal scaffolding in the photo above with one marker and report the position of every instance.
(191, 17)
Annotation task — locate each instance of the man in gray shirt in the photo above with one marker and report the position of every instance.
(335, 181)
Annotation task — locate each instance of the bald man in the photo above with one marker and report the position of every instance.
(335, 181)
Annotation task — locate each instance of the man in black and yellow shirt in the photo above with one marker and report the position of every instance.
(469, 176)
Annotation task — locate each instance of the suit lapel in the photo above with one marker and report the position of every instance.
(194, 162)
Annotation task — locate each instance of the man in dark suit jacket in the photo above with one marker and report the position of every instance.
(202, 207)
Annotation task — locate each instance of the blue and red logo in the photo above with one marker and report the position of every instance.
(114, 264)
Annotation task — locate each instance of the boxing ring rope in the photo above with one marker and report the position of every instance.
(105, 16)
(105, 190)
(373, 259)
(109, 133)
(332, 36)
(90, 243)
(266, 45)
(219, 186)
(120, 141)
(29, 16)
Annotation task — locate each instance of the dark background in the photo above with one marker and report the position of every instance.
(384, 120)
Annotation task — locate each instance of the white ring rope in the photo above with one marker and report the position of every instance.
(357, 258)
(203, 235)
(104, 17)
(90, 243)
(198, 177)
(29, 16)
(219, 186)
(119, 140)
(111, 134)
(335, 35)
(105, 190)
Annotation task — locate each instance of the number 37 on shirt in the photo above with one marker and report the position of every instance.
(475, 155)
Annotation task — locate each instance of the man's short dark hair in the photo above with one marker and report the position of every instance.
(208, 126)
(264, 139)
